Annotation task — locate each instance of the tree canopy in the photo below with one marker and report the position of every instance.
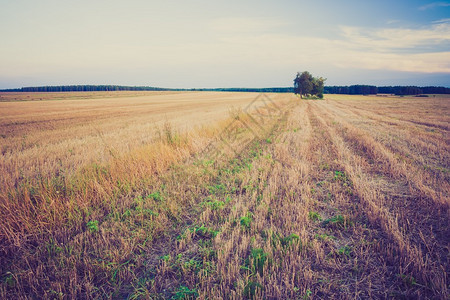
(305, 84)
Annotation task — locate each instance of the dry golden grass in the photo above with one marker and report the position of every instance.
(41, 96)
(39, 138)
(342, 198)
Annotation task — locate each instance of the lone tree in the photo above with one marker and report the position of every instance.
(305, 84)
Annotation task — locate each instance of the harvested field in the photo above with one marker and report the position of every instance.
(177, 196)
(39, 137)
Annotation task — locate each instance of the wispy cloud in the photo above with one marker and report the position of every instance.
(389, 39)
(389, 22)
(447, 20)
(434, 5)
(401, 49)
(423, 50)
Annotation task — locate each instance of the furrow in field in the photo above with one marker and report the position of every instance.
(429, 113)
(348, 244)
(222, 239)
(423, 256)
(263, 223)
(428, 185)
(415, 160)
(423, 145)
(415, 204)
(353, 134)
(136, 229)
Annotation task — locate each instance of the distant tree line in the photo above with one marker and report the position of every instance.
(85, 88)
(413, 90)
(435, 90)
(395, 90)
(351, 90)
(254, 90)
(96, 88)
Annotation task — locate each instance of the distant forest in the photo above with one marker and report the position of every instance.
(395, 90)
(350, 90)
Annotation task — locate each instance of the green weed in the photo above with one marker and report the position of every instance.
(53, 248)
(145, 211)
(166, 258)
(259, 258)
(183, 292)
(214, 204)
(155, 196)
(206, 162)
(307, 295)
(193, 265)
(288, 240)
(92, 226)
(139, 293)
(10, 280)
(346, 250)
(342, 177)
(324, 237)
(246, 221)
(217, 189)
(202, 231)
(314, 216)
(338, 221)
(171, 137)
(126, 214)
(250, 289)
(408, 279)
(339, 175)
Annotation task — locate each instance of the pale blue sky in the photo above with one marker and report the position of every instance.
(207, 43)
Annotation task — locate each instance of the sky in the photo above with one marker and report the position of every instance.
(209, 43)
